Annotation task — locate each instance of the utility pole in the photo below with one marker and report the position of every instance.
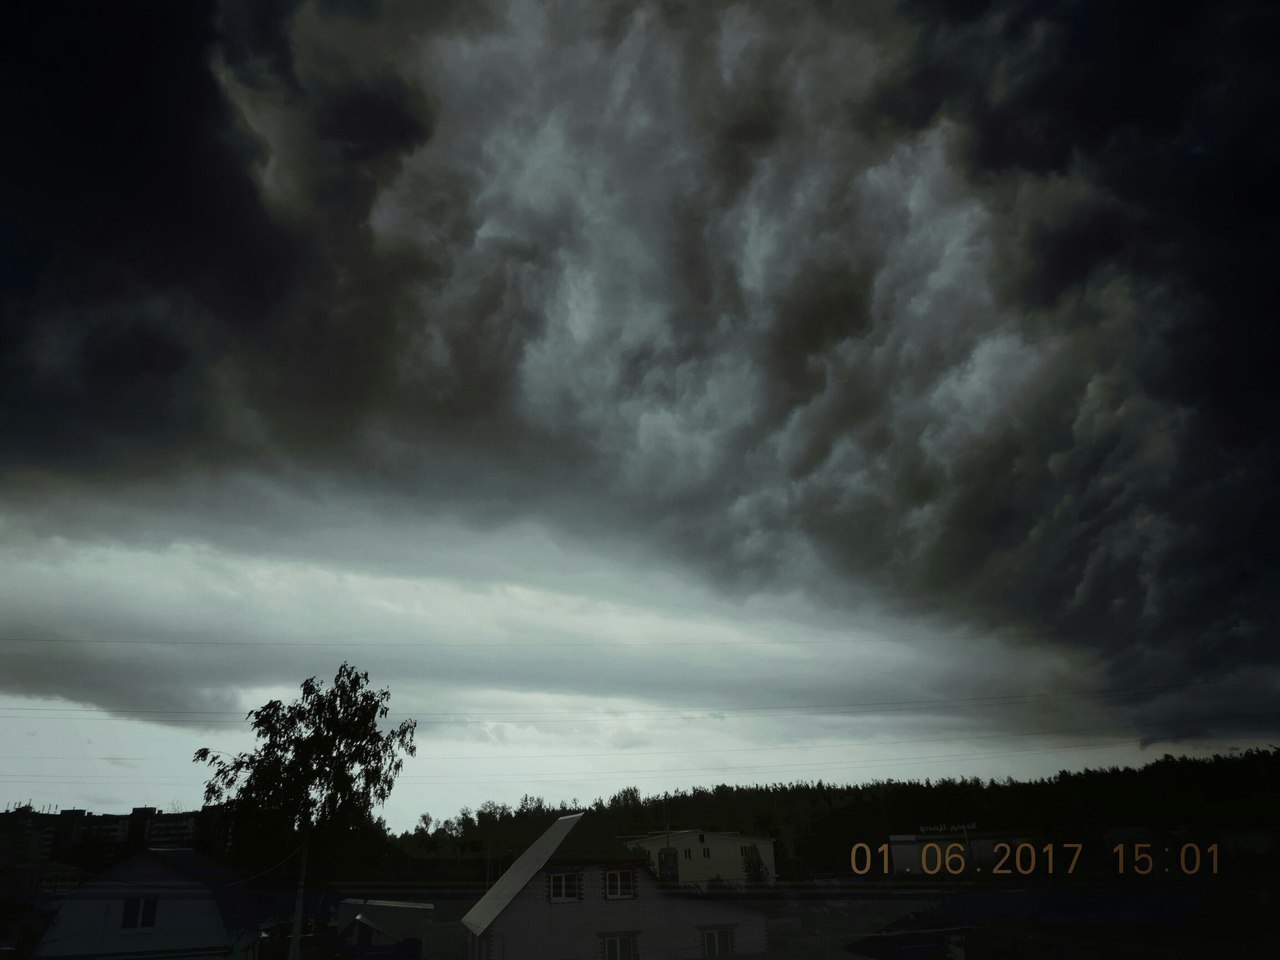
(295, 941)
(666, 820)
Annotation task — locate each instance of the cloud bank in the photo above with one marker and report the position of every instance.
(958, 316)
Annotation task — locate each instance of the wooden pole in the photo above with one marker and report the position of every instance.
(295, 941)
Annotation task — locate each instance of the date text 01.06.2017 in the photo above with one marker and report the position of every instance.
(1027, 859)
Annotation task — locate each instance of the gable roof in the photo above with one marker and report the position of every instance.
(174, 870)
(592, 842)
(396, 919)
(509, 885)
(194, 865)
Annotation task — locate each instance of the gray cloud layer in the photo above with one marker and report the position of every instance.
(960, 308)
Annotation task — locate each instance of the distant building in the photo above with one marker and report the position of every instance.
(27, 835)
(696, 857)
(108, 829)
(171, 830)
(576, 894)
(925, 854)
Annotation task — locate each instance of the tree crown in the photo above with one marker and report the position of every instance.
(322, 761)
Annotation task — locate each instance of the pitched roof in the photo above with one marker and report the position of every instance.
(166, 868)
(509, 885)
(194, 864)
(593, 842)
(397, 919)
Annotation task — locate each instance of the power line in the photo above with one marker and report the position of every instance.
(106, 881)
(46, 757)
(668, 713)
(742, 771)
(524, 777)
(720, 750)
(594, 645)
(871, 743)
(616, 775)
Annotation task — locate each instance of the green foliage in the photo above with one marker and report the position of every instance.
(753, 867)
(814, 824)
(321, 764)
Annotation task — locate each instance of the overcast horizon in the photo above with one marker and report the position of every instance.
(647, 394)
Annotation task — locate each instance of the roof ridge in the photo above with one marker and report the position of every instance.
(517, 876)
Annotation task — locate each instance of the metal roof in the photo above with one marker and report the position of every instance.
(659, 834)
(509, 885)
(397, 919)
(400, 904)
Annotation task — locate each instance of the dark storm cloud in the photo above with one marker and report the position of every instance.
(258, 40)
(1167, 561)
(124, 172)
(966, 305)
(158, 295)
(1159, 116)
(1086, 454)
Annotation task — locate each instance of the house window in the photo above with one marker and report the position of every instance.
(702, 838)
(619, 884)
(706, 853)
(717, 943)
(620, 946)
(564, 886)
(688, 854)
(138, 912)
(742, 851)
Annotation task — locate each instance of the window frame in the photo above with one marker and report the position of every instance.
(717, 935)
(628, 938)
(630, 883)
(565, 877)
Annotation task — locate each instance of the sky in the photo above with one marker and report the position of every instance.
(657, 394)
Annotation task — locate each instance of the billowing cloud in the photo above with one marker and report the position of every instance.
(908, 319)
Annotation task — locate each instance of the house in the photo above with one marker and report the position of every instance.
(159, 903)
(697, 857)
(576, 893)
(383, 928)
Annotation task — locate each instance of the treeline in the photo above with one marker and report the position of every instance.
(815, 823)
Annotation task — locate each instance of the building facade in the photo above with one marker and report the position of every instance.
(699, 857)
(567, 900)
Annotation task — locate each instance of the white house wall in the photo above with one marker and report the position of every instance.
(89, 923)
(532, 928)
(725, 860)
